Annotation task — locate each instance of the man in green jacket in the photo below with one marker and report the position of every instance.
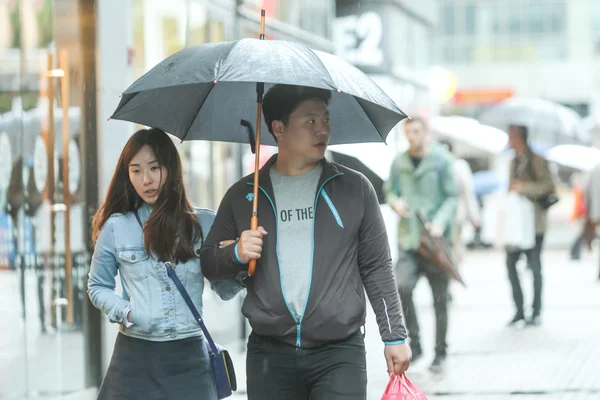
(422, 180)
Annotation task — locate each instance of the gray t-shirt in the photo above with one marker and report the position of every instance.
(295, 199)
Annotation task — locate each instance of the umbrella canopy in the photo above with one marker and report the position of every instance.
(549, 123)
(486, 182)
(203, 92)
(470, 132)
(583, 158)
(212, 91)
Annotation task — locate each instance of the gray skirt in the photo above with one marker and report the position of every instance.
(141, 369)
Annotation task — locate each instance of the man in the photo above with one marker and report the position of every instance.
(321, 242)
(531, 177)
(422, 180)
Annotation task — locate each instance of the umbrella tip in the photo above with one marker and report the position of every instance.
(121, 95)
(108, 119)
(338, 90)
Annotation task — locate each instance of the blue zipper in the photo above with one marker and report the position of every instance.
(334, 211)
(277, 251)
(312, 260)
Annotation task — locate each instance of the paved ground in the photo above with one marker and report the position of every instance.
(487, 361)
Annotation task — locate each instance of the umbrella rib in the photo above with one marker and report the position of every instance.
(325, 68)
(187, 130)
(370, 119)
(126, 101)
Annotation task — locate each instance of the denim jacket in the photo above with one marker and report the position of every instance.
(157, 310)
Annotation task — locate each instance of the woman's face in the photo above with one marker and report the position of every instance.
(146, 175)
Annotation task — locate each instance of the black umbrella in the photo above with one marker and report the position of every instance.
(203, 92)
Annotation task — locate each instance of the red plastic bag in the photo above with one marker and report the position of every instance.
(400, 388)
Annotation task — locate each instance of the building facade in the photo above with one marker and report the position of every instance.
(529, 48)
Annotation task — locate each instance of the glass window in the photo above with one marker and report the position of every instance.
(557, 18)
(448, 20)
(44, 275)
(536, 18)
(500, 18)
(596, 17)
(514, 20)
(448, 53)
(470, 19)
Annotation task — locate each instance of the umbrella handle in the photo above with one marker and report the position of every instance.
(252, 263)
(259, 93)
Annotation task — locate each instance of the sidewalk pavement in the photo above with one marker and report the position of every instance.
(487, 360)
(559, 360)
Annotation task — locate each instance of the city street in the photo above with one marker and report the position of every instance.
(487, 360)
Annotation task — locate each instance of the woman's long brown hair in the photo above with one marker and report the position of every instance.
(172, 229)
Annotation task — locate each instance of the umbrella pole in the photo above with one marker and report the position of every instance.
(260, 88)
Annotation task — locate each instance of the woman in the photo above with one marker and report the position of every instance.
(160, 352)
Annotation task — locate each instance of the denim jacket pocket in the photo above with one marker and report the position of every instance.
(133, 264)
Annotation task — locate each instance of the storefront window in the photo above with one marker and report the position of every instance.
(43, 259)
(207, 165)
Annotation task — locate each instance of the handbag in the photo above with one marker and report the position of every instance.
(546, 201)
(220, 359)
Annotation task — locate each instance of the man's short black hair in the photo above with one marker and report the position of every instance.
(281, 100)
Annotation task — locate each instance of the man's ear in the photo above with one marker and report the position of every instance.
(278, 128)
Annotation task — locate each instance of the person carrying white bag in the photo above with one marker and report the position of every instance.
(531, 194)
(520, 223)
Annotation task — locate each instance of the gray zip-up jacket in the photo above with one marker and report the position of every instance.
(350, 252)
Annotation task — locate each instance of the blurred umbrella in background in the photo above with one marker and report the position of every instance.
(549, 123)
(583, 158)
(486, 182)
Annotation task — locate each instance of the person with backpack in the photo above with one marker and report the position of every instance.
(422, 181)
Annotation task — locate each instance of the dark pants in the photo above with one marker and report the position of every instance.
(336, 371)
(410, 267)
(535, 264)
